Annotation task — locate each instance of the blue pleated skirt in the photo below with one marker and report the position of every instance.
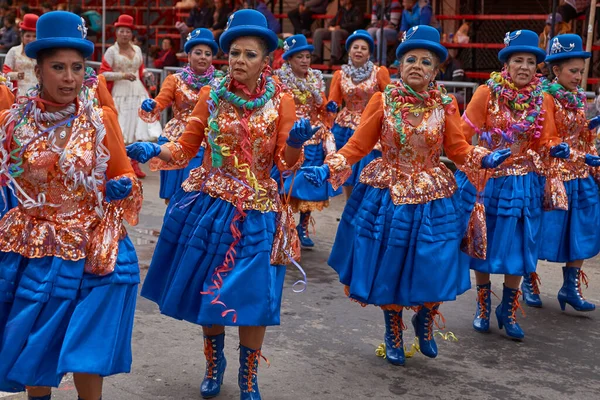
(400, 254)
(314, 156)
(171, 180)
(513, 206)
(342, 135)
(573, 234)
(7, 201)
(195, 237)
(55, 318)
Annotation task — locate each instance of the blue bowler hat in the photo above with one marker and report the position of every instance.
(363, 35)
(247, 23)
(566, 46)
(201, 36)
(422, 37)
(296, 44)
(521, 41)
(60, 29)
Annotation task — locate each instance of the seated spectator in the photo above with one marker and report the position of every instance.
(262, 8)
(47, 7)
(416, 12)
(10, 37)
(571, 9)
(201, 16)
(220, 15)
(348, 19)
(301, 17)
(387, 18)
(560, 28)
(166, 57)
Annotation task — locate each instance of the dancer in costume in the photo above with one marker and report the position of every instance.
(398, 244)
(570, 236)
(68, 271)
(308, 89)
(7, 98)
(350, 91)
(123, 68)
(511, 112)
(19, 67)
(181, 90)
(216, 263)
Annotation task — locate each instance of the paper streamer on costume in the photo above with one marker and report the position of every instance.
(413, 348)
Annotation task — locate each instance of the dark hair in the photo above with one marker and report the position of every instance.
(47, 4)
(169, 40)
(25, 9)
(46, 53)
(10, 18)
(559, 64)
(262, 43)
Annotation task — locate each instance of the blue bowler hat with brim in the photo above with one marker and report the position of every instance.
(362, 35)
(248, 23)
(60, 30)
(422, 37)
(296, 44)
(521, 41)
(201, 36)
(564, 47)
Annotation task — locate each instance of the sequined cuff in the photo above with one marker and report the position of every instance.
(149, 117)
(296, 166)
(472, 167)
(339, 169)
(132, 204)
(178, 159)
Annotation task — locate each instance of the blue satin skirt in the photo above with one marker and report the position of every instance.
(342, 135)
(7, 201)
(405, 254)
(194, 239)
(55, 318)
(513, 206)
(573, 234)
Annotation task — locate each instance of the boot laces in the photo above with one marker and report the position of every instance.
(434, 317)
(482, 295)
(306, 222)
(535, 282)
(397, 328)
(211, 358)
(514, 306)
(252, 362)
(581, 278)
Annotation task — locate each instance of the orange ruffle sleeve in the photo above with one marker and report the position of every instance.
(7, 98)
(335, 88)
(165, 98)
(383, 78)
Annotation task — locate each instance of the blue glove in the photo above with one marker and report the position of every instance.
(300, 133)
(495, 158)
(592, 161)
(561, 151)
(594, 123)
(162, 140)
(332, 107)
(143, 151)
(316, 175)
(118, 189)
(148, 105)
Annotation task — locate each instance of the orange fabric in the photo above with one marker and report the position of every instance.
(119, 162)
(7, 98)
(383, 78)
(335, 88)
(192, 138)
(166, 97)
(368, 132)
(103, 95)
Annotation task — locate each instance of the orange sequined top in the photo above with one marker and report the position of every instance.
(485, 113)
(7, 98)
(571, 126)
(355, 97)
(60, 190)
(412, 170)
(252, 151)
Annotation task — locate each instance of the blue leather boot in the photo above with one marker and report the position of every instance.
(215, 366)
(481, 322)
(506, 313)
(570, 292)
(423, 323)
(531, 290)
(394, 346)
(302, 229)
(248, 374)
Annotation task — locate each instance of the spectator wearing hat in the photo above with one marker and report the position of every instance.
(73, 270)
(19, 67)
(513, 198)
(123, 68)
(10, 36)
(301, 17)
(398, 242)
(350, 91)
(347, 19)
(251, 127)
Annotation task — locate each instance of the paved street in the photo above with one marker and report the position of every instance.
(325, 347)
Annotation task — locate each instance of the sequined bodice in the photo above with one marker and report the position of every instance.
(571, 127)
(183, 105)
(355, 98)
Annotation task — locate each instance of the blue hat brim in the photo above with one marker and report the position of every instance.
(362, 36)
(291, 52)
(190, 44)
(83, 45)
(566, 56)
(436, 48)
(505, 53)
(231, 34)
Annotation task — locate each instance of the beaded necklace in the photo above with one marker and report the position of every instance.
(403, 100)
(358, 74)
(302, 88)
